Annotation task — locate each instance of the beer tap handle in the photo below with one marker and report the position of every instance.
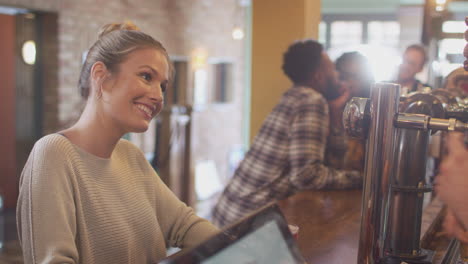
(451, 124)
(417, 121)
(356, 117)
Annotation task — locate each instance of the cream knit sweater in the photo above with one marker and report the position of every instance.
(75, 207)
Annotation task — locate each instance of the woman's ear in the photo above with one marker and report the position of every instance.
(99, 73)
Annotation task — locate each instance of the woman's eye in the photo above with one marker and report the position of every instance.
(146, 76)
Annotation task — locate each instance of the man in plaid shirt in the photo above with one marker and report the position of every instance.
(288, 154)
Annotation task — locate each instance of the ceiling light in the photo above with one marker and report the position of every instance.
(29, 52)
(237, 33)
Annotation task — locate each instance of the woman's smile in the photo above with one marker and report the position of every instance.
(146, 110)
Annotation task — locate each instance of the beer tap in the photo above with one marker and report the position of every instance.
(397, 136)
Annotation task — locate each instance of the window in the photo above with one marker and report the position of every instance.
(453, 27)
(213, 83)
(385, 33)
(345, 34)
(178, 93)
(222, 82)
(323, 33)
(450, 56)
(375, 36)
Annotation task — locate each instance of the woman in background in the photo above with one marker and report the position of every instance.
(88, 196)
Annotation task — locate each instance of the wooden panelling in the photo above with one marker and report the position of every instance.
(8, 178)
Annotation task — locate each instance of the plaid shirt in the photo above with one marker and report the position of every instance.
(286, 156)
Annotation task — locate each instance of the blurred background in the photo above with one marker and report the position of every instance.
(227, 56)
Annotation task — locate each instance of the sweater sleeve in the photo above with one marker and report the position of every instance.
(308, 141)
(180, 225)
(46, 211)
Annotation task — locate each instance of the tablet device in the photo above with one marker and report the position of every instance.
(261, 237)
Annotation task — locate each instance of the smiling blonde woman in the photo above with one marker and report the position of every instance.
(88, 196)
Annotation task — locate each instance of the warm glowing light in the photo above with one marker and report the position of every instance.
(29, 52)
(447, 48)
(453, 27)
(200, 79)
(452, 45)
(383, 60)
(440, 2)
(376, 54)
(237, 33)
(199, 58)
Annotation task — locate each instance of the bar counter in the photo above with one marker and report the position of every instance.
(329, 223)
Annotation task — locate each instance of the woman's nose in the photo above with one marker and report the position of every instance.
(156, 93)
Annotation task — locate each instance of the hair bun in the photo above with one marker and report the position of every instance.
(127, 25)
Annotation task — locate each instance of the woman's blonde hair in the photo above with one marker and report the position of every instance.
(114, 43)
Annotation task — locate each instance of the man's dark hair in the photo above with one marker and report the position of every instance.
(419, 48)
(302, 59)
(347, 57)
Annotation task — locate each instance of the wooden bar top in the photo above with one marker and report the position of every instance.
(329, 223)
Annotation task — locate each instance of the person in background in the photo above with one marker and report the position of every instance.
(88, 196)
(413, 61)
(354, 70)
(288, 154)
(452, 186)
